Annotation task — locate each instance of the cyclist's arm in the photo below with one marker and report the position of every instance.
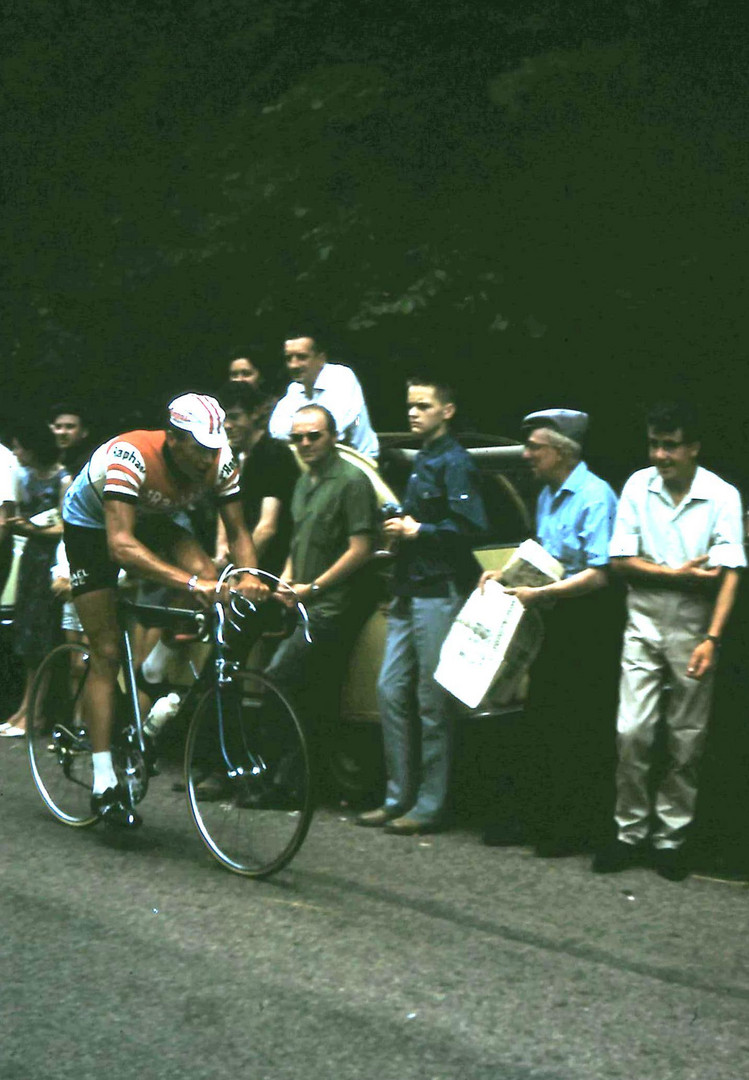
(127, 551)
(237, 534)
(242, 549)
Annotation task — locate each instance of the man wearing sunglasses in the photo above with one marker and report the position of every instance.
(678, 543)
(335, 523)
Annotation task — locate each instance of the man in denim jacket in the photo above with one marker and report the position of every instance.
(443, 516)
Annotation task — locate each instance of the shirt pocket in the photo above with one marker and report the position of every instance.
(571, 551)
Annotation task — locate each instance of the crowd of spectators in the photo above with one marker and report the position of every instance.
(579, 771)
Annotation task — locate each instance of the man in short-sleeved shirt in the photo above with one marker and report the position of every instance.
(678, 543)
(561, 754)
(334, 512)
(334, 386)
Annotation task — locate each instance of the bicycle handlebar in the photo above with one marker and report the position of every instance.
(237, 598)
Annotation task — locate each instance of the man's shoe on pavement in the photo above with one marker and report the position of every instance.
(375, 819)
(617, 856)
(671, 864)
(406, 826)
(111, 808)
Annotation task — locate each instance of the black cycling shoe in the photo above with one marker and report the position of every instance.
(110, 807)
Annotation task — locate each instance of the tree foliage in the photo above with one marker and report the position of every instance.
(551, 195)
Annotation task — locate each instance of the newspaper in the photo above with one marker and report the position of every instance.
(531, 565)
(494, 639)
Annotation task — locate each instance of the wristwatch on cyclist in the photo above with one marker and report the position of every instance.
(315, 588)
(192, 582)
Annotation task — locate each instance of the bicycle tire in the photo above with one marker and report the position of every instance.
(262, 802)
(58, 744)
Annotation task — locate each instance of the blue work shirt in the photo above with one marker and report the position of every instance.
(443, 494)
(575, 522)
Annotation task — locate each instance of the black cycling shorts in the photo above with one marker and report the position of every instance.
(91, 568)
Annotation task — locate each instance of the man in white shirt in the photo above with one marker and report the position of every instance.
(335, 387)
(678, 542)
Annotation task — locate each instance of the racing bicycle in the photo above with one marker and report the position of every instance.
(242, 732)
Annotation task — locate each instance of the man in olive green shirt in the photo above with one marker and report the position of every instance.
(335, 522)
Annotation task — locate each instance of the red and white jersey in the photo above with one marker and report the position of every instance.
(135, 468)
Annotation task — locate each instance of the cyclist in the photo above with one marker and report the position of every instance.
(118, 511)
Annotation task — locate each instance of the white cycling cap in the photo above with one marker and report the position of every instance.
(202, 416)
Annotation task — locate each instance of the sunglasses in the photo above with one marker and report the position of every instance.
(306, 436)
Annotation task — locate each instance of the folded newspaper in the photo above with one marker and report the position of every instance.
(493, 639)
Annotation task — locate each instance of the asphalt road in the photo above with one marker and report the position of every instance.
(370, 957)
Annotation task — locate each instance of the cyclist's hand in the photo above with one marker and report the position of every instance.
(252, 588)
(205, 594)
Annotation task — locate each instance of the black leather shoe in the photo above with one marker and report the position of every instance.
(111, 808)
(671, 864)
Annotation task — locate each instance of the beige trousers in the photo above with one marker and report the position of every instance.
(662, 630)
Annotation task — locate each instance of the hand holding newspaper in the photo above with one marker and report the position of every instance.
(493, 637)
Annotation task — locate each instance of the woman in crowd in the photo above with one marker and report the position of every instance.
(39, 485)
(243, 369)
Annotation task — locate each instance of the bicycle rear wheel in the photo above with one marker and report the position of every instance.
(58, 743)
(246, 738)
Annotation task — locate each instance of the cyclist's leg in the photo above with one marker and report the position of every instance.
(98, 614)
(189, 554)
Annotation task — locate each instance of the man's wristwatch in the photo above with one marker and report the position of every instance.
(192, 582)
(714, 638)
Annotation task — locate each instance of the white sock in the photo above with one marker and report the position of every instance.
(155, 664)
(104, 774)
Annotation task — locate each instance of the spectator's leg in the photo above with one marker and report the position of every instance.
(396, 697)
(640, 690)
(687, 717)
(432, 618)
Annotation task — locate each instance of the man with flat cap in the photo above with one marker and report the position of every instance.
(564, 763)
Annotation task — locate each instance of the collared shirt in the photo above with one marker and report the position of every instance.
(339, 391)
(574, 523)
(443, 494)
(327, 509)
(707, 521)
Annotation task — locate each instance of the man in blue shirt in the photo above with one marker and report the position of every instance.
(564, 770)
(443, 516)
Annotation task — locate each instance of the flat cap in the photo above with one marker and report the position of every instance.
(567, 422)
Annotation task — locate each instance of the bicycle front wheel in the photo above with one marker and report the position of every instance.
(57, 738)
(247, 776)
